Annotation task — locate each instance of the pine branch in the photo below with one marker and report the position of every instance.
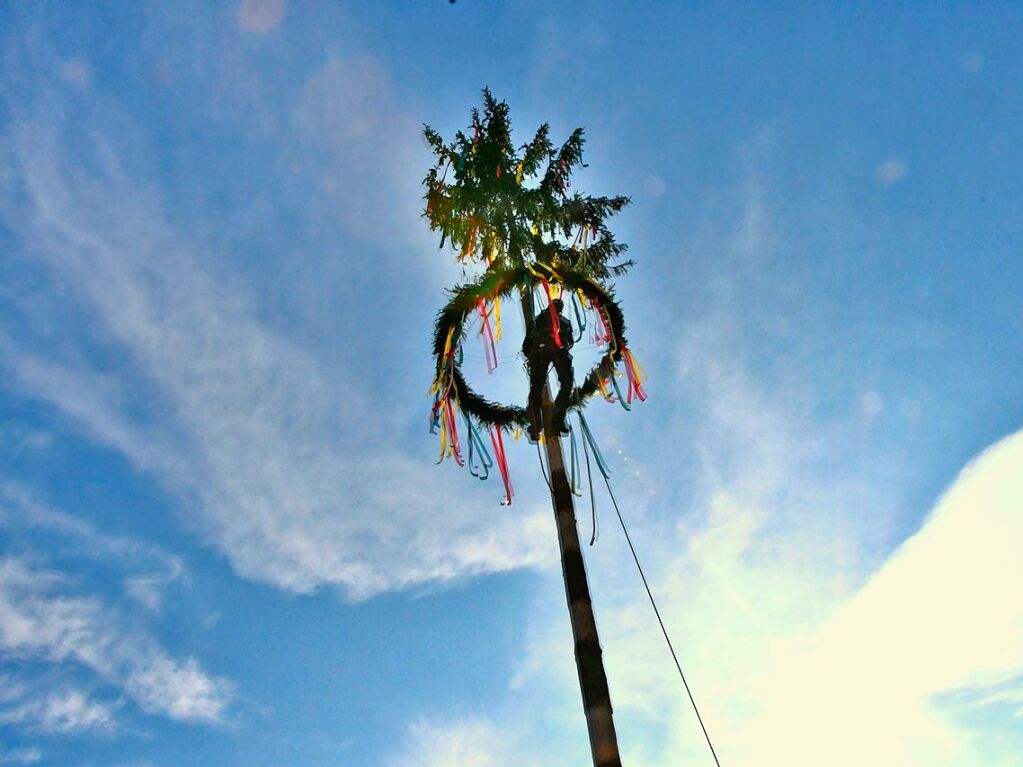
(478, 196)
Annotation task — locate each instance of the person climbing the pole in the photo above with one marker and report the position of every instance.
(548, 339)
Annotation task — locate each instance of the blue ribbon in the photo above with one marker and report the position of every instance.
(580, 316)
(478, 455)
(588, 435)
(434, 414)
(574, 478)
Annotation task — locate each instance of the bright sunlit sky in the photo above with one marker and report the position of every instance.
(223, 537)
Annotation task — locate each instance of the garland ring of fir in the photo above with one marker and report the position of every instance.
(499, 283)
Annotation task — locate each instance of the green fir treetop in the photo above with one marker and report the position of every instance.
(507, 208)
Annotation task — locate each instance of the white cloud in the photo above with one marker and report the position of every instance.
(65, 713)
(181, 690)
(374, 151)
(782, 672)
(276, 450)
(21, 756)
(151, 570)
(801, 643)
(936, 618)
(260, 16)
(475, 742)
(890, 171)
(10, 689)
(40, 620)
(20, 511)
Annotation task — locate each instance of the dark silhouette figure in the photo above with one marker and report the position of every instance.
(541, 350)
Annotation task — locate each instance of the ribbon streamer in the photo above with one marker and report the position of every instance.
(636, 375)
(442, 414)
(597, 455)
(618, 392)
(502, 464)
(455, 448)
(601, 331)
(580, 316)
(573, 468)
(555, 324)
(489, 348)
(479, 459)
(606, 335)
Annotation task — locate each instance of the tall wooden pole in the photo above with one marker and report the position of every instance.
(588, 656)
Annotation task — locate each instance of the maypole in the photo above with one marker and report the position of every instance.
(509, 210)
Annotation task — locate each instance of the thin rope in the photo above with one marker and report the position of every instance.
(657, 612)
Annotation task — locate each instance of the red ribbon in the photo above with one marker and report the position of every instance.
(502, 462)
(555, 322)
(489, 346)
(635, 386)
(602, 332)
(449, 417)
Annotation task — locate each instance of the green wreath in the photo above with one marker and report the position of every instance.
(449, 331)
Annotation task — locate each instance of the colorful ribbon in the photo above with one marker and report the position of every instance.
(601, 330)
(502, 463)
(598, 456)
(580, 316)
(489, 347)
(555, 323)
(479, 459)
(442, 414)
(573, 471)
(636, 375)
(618, 392)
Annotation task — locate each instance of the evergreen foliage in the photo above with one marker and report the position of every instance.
(496, 283)
(505, 206)
(509, 209)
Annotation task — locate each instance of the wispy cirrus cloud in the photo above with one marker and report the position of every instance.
(64, 713)
(273, 448)
(43, 621)
(60, 634)
(147, 570)
(21, 756)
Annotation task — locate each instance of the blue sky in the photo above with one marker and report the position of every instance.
(223, 539)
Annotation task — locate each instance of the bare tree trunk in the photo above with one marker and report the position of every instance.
(588, 657)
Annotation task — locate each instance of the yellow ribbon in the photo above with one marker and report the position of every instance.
(637, 369)
(443, 435)
(537, 270)
(447, 343)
